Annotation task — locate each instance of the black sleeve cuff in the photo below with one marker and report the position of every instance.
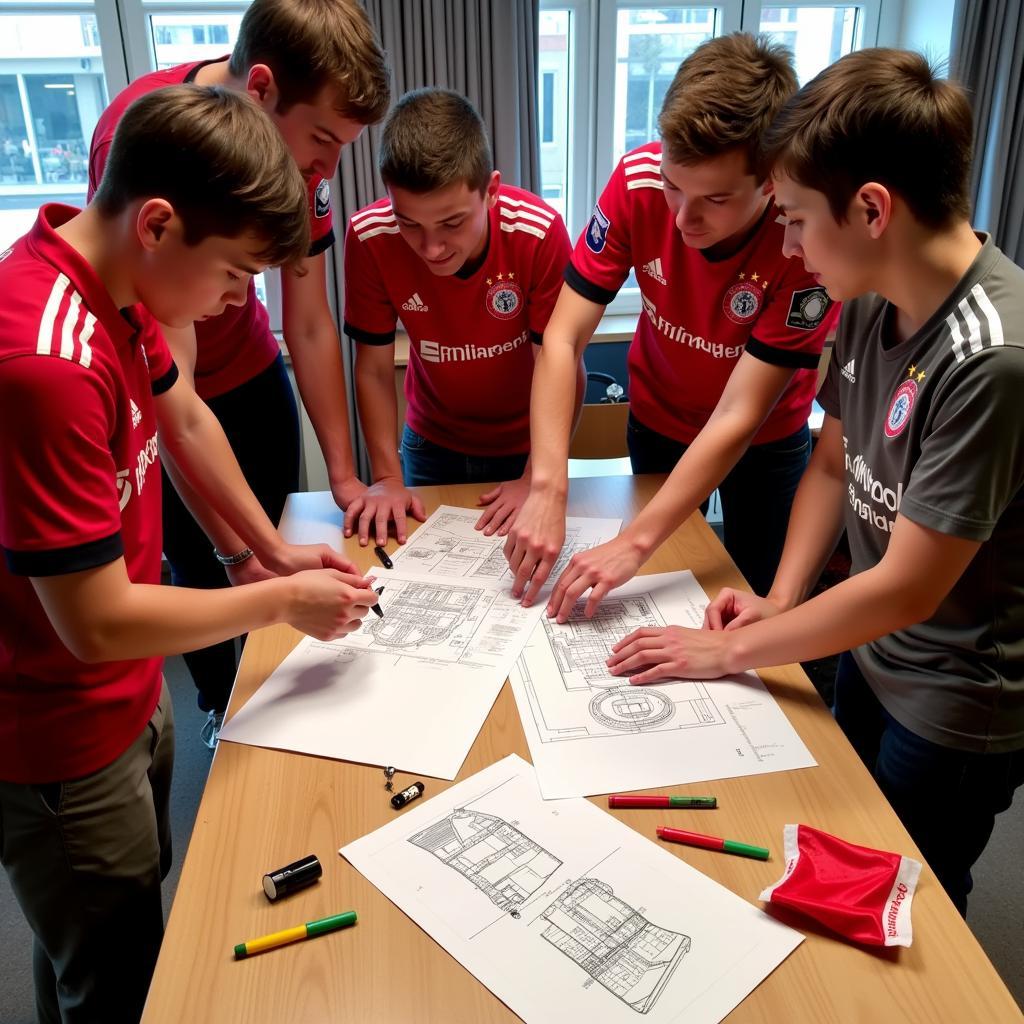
(368, 337)
(62, 561)
(166, 382)
(781, 356)
(536, 337)
(590, 291)
(322, 244)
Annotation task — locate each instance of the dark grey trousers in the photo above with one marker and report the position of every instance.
(85, 859)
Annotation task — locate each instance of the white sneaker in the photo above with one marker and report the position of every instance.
(210, 731)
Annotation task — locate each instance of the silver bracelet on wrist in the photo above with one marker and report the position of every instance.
(242, 556)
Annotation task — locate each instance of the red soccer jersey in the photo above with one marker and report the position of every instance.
(79, 487)
(699, 315)
(237, 345)
(470, 358)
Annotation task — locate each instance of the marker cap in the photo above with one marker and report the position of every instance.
(284, 881)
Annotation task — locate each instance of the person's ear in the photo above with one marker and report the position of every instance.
(491, 192)
(873, 207)
(261, 87)
(151, 225)
(768, 188)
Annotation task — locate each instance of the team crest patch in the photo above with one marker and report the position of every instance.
(322, 202)
(504, 296)
(743, 300)
(807, 308)
(900, 408)
(597, 230)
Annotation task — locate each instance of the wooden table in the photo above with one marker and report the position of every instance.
(263, 808)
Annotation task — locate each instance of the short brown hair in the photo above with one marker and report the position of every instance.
(724, 96)
(312, 44)
(879, 115)
(433, 138)
(218, 160)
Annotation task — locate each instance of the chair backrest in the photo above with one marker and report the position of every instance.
(601, 433)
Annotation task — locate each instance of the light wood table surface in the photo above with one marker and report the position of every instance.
(264, 808)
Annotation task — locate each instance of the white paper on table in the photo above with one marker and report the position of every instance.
(591, 732)
(447, 545)
(411, 689)
(563, 912)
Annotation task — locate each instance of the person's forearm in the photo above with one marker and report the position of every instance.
(854, 612)
(705, 463)
(320, 376)
(552, 409)
(815, 526)
(201, 453)
(378, 414)
(221, 536)
(149, 621)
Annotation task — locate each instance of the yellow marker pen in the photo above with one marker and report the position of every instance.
(309, 930)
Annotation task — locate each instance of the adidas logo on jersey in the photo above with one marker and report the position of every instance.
(848, 372)
(654, 269)
(136, 415)
(414, 304)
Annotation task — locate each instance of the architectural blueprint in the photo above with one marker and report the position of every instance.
(410, 689)
(563, 912)
(591, 732)
(447, 545)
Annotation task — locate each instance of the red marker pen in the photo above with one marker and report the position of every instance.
(678, 835)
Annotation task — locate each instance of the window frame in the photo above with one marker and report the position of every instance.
(593, 24)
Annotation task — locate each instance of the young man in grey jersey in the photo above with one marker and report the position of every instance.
(921, 460)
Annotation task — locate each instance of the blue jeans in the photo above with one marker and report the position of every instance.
(425, 463)
(756, 495)
(947, 799)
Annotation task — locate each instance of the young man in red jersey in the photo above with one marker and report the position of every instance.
(920, 459)
(723, 364)
(200, 195)
(315, 67)
(472, 268)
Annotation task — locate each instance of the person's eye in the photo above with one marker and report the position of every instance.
(454, 226)
(793, 223)
(716, 202)
(320, 141)
(234, 277)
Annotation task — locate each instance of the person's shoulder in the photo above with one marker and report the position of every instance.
(525, 216)
(375, 221)
(997, 299)
(639, 173)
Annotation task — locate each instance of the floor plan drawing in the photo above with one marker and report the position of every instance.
(581, 646)
(504, 864)
(424, 613)
(615, 944)
(448, 545)
(593, 732)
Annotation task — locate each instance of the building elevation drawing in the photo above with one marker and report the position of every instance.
(617, 946)
(507, 866)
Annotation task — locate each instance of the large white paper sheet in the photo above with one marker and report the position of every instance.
(447, 545)
(563, 912)
(411, 689)
(591, 732)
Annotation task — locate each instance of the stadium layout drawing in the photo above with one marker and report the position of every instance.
(615, 944)
(507, 866)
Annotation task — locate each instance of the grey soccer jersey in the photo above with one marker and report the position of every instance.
(934, 429)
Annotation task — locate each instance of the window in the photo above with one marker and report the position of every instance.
(604, 67)
(180, 38)
(52, 89)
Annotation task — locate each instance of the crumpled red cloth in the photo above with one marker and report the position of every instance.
(860, 893)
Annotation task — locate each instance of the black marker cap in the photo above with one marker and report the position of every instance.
(284, 881)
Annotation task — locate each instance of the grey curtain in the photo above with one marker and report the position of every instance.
(484, 49)
(988, 60)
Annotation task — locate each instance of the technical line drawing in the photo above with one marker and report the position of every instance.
(617, 946)
(507, 866)
(424, 613)
(630, 709)
(582, 645)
